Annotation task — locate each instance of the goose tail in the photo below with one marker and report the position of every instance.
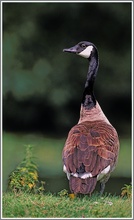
(83, 186)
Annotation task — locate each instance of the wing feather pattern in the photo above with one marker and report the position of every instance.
(89, 148)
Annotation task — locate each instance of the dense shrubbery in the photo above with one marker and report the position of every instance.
(43, 87)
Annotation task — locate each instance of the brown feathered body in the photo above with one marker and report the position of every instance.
(91, 151)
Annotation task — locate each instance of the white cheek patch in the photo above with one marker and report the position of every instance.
(87, 52)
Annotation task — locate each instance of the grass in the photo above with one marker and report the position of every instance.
(22, 205)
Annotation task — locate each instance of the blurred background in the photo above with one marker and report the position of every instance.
(42, 86)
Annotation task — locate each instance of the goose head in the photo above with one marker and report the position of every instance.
(83, 48)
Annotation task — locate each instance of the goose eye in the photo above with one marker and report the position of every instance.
(83, 45)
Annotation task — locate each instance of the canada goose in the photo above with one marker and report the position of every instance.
(91, 149)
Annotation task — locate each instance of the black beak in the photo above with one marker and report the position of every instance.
(70, 50)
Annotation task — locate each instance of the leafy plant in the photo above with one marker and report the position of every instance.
(25, 176)
(126, 190)
(63, 193)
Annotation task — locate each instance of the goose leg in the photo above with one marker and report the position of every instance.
(102, 187)
(103, 182)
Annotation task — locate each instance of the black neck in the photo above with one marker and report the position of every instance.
(89, 99)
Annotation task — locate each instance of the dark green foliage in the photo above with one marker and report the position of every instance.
(43, 86)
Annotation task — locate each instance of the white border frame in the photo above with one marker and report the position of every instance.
(132, 90)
